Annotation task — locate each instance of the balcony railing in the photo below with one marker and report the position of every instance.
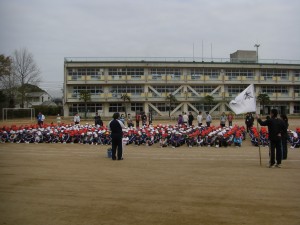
(179, 59)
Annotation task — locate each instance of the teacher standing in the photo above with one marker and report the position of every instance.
(116, 126)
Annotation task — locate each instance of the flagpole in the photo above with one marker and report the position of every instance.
(258, 142)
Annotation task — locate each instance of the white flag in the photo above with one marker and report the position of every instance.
(245, 101)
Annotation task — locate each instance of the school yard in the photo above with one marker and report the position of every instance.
(77, 184)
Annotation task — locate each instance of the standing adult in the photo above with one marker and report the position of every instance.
(122, 119)
(223, 119)
(185, 118)
(116, 126)
(180, 120)
(284, 137)
(76, 119)
(199, 119)
(190, 119)
(144, 119)
(137, 119)
(98, 120)
(249, 120)
(150, 117)
(129, 120)
(208, 119)
(40, 119)
(277, 130)
(230, 119)
(58, 120)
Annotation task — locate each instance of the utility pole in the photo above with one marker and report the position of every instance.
(257, 46)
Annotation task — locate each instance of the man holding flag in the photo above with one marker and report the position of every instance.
(245, 102)
(277, 130)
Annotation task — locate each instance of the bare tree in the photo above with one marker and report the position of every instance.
(25, 70)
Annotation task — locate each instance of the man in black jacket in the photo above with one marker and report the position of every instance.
(277, 130)
(116, 126)
(249, 120)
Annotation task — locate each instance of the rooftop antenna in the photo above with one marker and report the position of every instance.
(193, 53)
(211, 55)
(202, 50)
(257, 46)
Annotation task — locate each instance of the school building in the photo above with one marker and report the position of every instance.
(149, 83)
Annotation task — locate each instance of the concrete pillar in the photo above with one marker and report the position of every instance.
(105, 109)
(66, 110)
(291, 107)
(146, 107)
(185, 107)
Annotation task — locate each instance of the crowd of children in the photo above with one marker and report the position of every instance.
(261, 138)
(163, 135)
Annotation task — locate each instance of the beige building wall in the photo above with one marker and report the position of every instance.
(188, 98)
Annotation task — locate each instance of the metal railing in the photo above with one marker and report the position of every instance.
(181, 59)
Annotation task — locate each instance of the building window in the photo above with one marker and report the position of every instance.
(297, 108)
(117, 90)
(207, 107)
(164, 107)
(199, 106)
(234, 73)
(235, 90)
(297, 89)
(203, 89)
(78, 73)
(197, 73)
(137, 107)
(212, 73)
(116, 107)
(158, 73)
(274, 89)
(270, 73)
(165, 88)
(135, 73)
(94, 90)
(80, 108)
(165, 71)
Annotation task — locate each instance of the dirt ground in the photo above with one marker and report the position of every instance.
(46, 184)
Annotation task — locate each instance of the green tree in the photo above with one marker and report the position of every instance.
(171, 99)
(263, 99)
(126, 98)
(209, 100)
(86, 97)
(8, 82)
(5, 65)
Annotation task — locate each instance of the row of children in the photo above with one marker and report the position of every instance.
(166, 135)
(261, 138)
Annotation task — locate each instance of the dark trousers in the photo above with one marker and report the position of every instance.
(249, 127)
(208, 124)
(275, 147)
(284, 148)
(116, 143)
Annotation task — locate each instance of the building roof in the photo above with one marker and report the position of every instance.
(36, 94)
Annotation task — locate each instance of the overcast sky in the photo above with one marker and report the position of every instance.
(52, 30)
